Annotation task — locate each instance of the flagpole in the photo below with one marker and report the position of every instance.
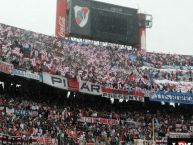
(153, 130)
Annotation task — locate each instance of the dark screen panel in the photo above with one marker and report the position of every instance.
(106, 22)
(111, 24)
(114, 27)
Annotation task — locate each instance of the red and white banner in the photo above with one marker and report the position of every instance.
(47, 141)
(99, 120)
(6, 67)
(61, 18)
(55, 81)
(137, 92)
(127, 97)
(134, 92)
(114, 91)
(90, 144)
(31, 140)
(122, 94)
(73, 84)
(161, 142)
(90, 88)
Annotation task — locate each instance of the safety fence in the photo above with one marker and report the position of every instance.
(21, 140)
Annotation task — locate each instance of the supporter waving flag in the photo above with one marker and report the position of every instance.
(17, 51)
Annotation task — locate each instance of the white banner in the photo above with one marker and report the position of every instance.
(124, 97)
(26, 74)
(179, 135)
(99, 120)
(90, 88)
(55, 81)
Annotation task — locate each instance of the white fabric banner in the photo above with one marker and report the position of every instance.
(179, 135)
(26, 74)
(90, 88)
(55, 81)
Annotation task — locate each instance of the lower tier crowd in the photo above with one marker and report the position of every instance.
(36, 110)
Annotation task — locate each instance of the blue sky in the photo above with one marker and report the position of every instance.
(172, 20)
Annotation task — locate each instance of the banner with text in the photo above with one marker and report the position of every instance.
(6, 139)
(179, 135)
(120, 94)
(99, 120)
(90, 88)
(26, 74)
(174, 97)
(55, 81)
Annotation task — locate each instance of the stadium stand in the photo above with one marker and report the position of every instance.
(80, 119)
(107, 65)
(39, 112)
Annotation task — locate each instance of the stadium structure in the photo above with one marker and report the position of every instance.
(94, 83)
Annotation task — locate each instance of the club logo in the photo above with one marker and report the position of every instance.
(81, 15)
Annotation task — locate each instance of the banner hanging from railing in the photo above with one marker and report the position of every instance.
(26, 74)
(55, 81)
(120, 94)
(73, 84)
(90, 88)
(6, 139)
(6, 67)
(99, 120)
(173, 97)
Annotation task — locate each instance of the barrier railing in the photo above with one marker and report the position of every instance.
(20, 140)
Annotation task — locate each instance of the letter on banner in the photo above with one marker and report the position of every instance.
(90, 88)
(183, 98)
(55, 81)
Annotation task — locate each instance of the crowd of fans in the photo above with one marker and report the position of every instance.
(115, 66)
(41, 111)
(38, 110)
